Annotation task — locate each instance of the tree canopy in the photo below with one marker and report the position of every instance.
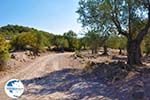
(130, 18)
(9, 31)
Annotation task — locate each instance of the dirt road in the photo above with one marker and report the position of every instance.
(59, 77)
(42, 66)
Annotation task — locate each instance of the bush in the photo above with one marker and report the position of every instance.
(35, 41)
(4, 54)
(20, 41)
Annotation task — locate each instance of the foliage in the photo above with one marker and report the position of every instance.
(116, 42)
(4, 54)
(21, 37)
(93, 40)
(35, 40)
(72, 39)
(48, 38)
(40, 41)
(68, 41)
(59, 41)
(20, 41)
(10, 31)
(109, 15)
(82, 43)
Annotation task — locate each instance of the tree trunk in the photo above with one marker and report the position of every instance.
(36, 52)
(105, 50)
(84, 47)
(62, 49)
(120, 51)
(134, 53)
(147, 53)
(94, 50)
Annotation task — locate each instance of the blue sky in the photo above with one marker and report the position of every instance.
(56, 16)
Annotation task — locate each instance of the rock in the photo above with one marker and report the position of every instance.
(28, 53)
(13, 56)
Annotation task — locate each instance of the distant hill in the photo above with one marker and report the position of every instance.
(9, 31)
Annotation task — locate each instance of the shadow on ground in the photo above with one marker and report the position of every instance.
(78, 85)
(71, 81)
(145, 59)
(121, 58)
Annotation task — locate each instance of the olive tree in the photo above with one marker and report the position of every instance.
(130, 18)
(92, 39)
(72, 39)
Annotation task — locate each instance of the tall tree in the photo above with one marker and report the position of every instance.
(130, 18)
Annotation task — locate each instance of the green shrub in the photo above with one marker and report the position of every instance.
(4, 54)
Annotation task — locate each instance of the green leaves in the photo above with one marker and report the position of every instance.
(93, 39)
(33, 39)
(113, 15)
(60, 42)
(4, 54)
(10, 31)
(72, 39)
(116, 42)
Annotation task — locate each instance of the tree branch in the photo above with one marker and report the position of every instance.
(117, 23)
(118, 26)
(145, 30)
(129, 17)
